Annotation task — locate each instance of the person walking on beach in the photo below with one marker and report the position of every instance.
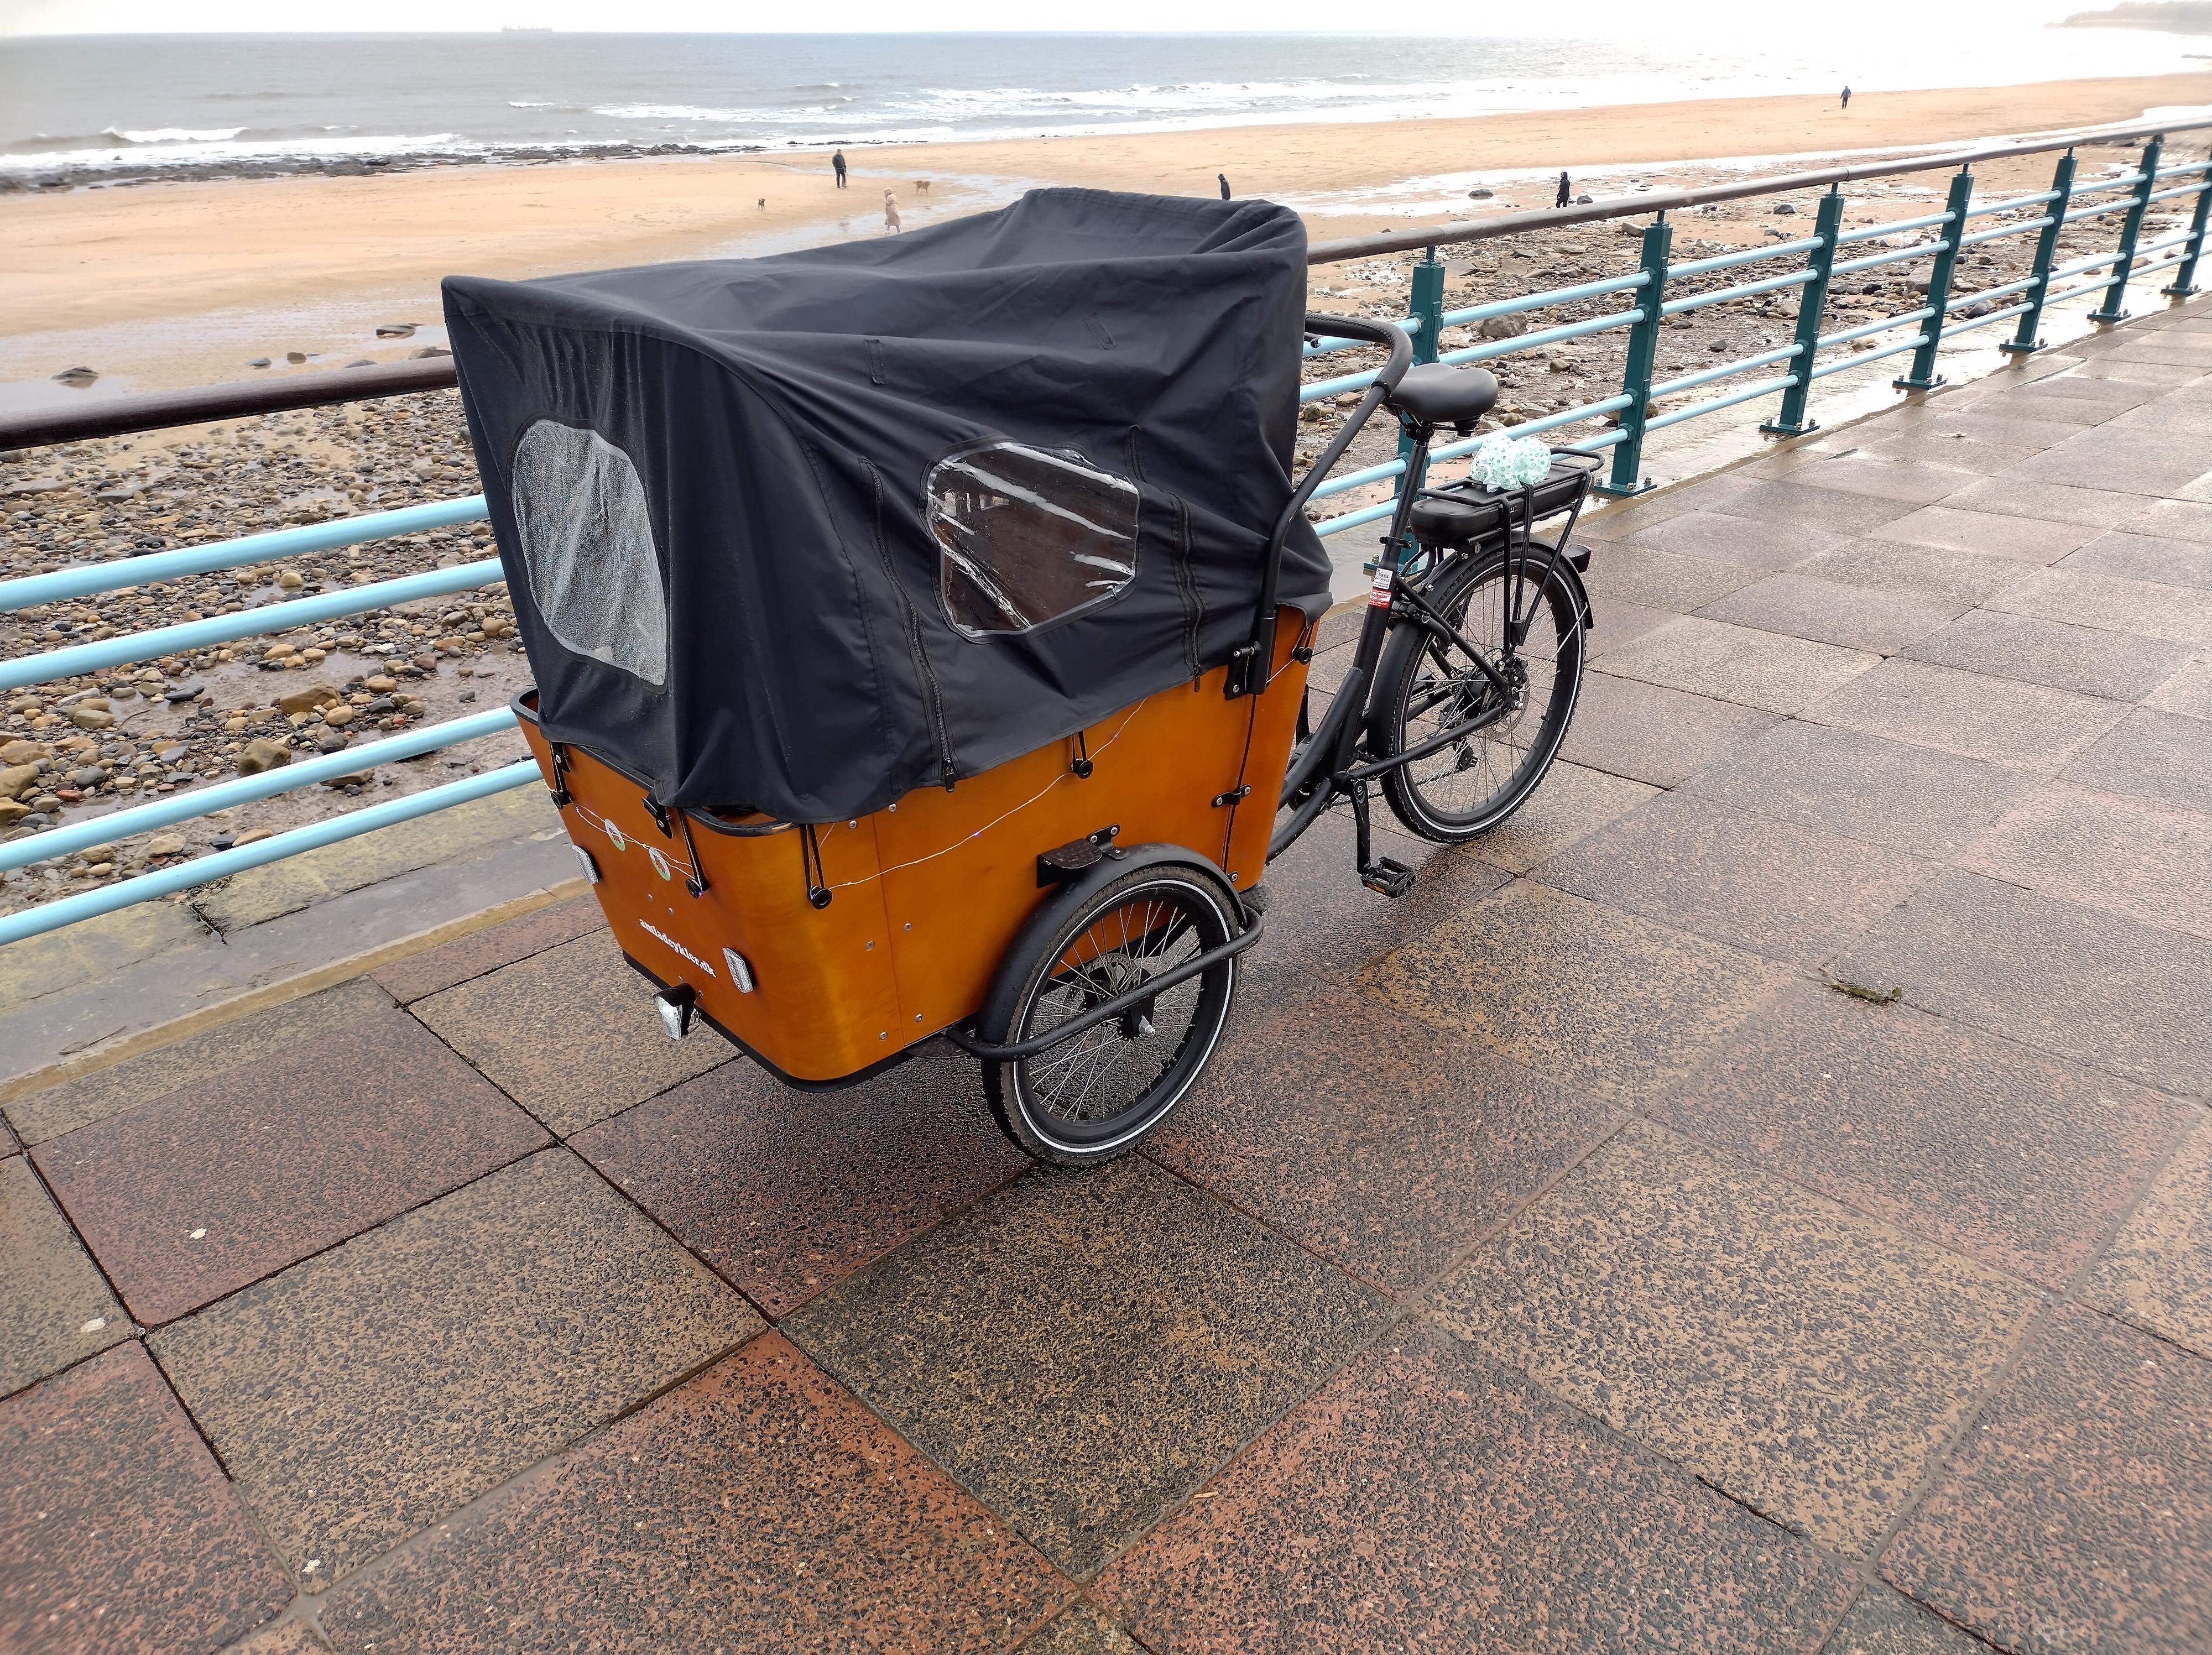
(1847, 98)
(837, 166)
(1566, 191)
(891, 213)
(1224, 178)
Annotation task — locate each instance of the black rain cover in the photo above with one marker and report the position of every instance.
(805, 532)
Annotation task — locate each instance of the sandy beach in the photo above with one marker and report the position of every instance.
(178, 283)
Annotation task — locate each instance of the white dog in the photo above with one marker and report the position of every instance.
(891, 212)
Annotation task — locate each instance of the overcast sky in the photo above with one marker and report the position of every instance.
(1583, 18)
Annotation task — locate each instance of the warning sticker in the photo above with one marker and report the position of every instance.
(1378, 594)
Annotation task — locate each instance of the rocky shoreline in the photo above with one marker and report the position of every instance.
(125, 173)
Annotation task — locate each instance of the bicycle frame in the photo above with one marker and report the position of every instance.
(1326, 767)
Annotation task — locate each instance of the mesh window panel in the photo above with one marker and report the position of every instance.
(588, 545)
(1029, 536)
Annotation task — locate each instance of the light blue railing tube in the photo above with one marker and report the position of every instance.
(2186, 189)
(2096, 261)
(1321, 348)
(1352, 480)
(82, 580)
(1751, 256)
(1560, 335)
(1825, 369)
(1984, 321)
(1901, 255)
(1999, 232)
(188, 636)
(1796, 279)
(1903, 319)
(1536, 426)
(1538, 300)
(1691, 381)
(1960, 301)
(1352, 520)
(222, 795)
(2014, 204)
(1868, 232)
(2098, 212)
(1343, 382)
(2127, 183)
(126, 893)
(1766, 388)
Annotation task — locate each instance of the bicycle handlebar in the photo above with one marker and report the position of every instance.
(1400, 347)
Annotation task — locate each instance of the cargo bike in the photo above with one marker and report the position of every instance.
(921, 633)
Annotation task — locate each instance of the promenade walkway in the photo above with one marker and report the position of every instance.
(1757, 1201)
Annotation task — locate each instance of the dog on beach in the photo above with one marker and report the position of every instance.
(891, 212)
(921, 186)
(763, 203)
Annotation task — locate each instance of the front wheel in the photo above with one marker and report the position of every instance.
(1091, 1097)
(1429, 685)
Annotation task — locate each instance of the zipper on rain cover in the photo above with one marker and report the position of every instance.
(932, 698)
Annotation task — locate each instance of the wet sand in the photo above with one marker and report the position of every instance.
(166, 284)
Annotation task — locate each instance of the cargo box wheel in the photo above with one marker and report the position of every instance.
(1092, 1096)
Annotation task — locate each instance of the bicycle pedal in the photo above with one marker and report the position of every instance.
(1388, 876)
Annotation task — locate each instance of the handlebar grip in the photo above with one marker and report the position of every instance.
(1395, 339)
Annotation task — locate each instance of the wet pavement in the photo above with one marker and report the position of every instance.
(1755, 1201)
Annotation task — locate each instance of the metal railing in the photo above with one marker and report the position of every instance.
(1630, 415)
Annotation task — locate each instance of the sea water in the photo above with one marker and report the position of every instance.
(115, 105)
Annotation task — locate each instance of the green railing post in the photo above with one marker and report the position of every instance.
(2131, 226)
(2185, 273)
(1923, 376)
(1811, 304)
(2026, 338)
(1642, 355)
(1427, 309)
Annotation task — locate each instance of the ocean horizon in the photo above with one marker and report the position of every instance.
(85, 108)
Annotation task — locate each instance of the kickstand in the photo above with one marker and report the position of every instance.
(1385, 874)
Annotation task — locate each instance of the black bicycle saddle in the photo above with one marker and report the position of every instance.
(1438, 393)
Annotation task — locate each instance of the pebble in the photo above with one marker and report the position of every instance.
(296, 358)
(76, 377)
(253, 837)
(257, 362)
(91, 718)
(165, 844)
(184, 692)
(395, 330)
(263, 754)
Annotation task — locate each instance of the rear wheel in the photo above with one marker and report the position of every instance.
(1428, 685)
(1091, 1098)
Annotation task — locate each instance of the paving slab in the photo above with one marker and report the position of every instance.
(2112, 461)
(419, 975)
(2133, 999)
(1794, 894)
(2022, 539)
(1807, 1361)
(55, 1307)
(1082, 1628)
(755, 1508)
(2080, 659)
(2148, 861)
(222, 1050)
(1887, 793)
(198, 1193)
(1082, 1352)
(2189, 691)
(1605, 1002)
(569, 1034)
(1621, 621)
(2150, 609)
(1746, 541)
(2015, 496)
(2152, 754)
(120, 1532)
(1912, 484)
(1740, 663)
(1997, 721)
(1659, 580)
(786, 1192)
(2172, 520)
(1953, 449)
(1831, 611)
(1381, 1144)
(371, 1390)
(2145, 557)
(1426, 1500)
(1940, 574)
(1885, 1622)
(2076, 1515)
(2157, 1274)
(1649, 733)
(2020, 1160)
(1790, 501)
(1571, 803)
(1322, 920)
